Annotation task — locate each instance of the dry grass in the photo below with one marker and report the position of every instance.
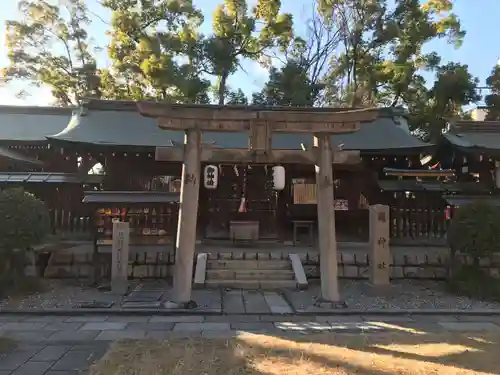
(337, 354)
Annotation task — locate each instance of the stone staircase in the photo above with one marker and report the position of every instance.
(250, 274)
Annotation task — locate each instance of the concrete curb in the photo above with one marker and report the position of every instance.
(164, 312)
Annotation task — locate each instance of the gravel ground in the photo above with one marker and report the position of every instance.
(61, 294)
(401, 294)
(405, 294)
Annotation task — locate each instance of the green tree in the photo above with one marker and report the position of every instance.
(237, 97)
(299, 81)
(381, 46)
(288, 86)
(155, 51)
(24, 223)
(50, 47)
(492, 100)
(238, 34)
(430, 108)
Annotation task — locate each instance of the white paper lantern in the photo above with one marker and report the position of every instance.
(278, 177)
(211, 177)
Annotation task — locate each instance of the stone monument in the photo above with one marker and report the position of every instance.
(380, 252)
(119, 257)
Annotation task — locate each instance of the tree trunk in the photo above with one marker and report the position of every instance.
(222, 87)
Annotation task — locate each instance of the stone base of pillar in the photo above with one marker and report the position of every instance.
(169, 305)
(321, 303)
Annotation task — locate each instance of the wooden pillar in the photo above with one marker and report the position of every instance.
(326, 219)
(188, 214)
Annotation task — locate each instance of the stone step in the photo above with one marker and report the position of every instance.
(252, 284)
(249, 264)
(254, 274)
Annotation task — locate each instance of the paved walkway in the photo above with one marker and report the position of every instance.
(150, 296)
(58, 345)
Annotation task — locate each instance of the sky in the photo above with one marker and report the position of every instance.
(478, 50)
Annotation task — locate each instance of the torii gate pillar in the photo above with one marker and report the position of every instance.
(326, 220)
(188, 217)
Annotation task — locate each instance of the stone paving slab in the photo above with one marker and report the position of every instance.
(50, 359)
(386, 319)
(84, 336)
(29, 336)
(233, 318)
(160, 327)
(253, 326)
(436, 318)
(177, 319)
(37, 319)
(185, 327)
(277, 303)
(22, 326)
(87, 318)
(233, 302)
(481, 318)
(130, 318)
(255, 302)
(103, 326)
(17, 358)
(208, 300)
(128, 334)
(77, 359)
(33, 368)
(334, 318)
(470, 326)
(63, 326)
(51, 353)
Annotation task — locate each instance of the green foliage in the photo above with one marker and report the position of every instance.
(237, 97)
(24, 223)
(24, 220)
(288, 86)
(430, 108)
(236, 35)
(473, 282)
(382, 46)
(49, 46)
(354, 53)
(492, 100)
(475, 230)
(149, 41)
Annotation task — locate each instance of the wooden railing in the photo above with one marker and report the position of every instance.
(68, 222)
(409, 226)
(418, 226)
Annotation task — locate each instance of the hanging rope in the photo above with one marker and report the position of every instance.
(243, 201)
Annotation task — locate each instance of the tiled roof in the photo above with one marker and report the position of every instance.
(31, 124)
(102, 123)
(476, 136)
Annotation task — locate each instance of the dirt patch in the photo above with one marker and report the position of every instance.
(336, 354)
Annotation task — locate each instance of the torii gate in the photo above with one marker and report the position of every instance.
(259, 124)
